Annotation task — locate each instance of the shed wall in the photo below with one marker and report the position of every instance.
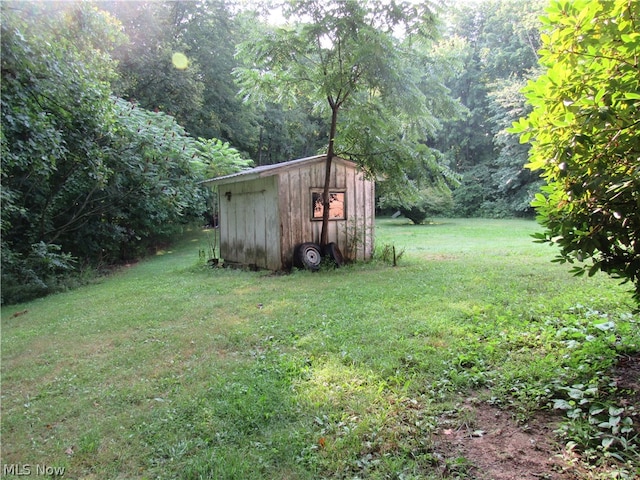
(354, 235)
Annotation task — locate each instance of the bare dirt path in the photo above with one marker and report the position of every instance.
(493, 446)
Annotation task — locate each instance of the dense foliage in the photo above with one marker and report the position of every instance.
(88, 179)
(203, 96)
(585, 135)
(112, 112)
(500, 53)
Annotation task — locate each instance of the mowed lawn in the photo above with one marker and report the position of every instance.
(170, 369)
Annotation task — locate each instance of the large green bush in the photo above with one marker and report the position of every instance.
(585, 135)
(86, 176)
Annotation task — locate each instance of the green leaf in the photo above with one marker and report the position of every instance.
(584, 111)
(607, 441)
(576, 393)
(616, 411)
(560, 404)
(595, 268)
(606, 326)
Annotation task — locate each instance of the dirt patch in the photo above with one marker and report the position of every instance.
(626, 374)
(491, 445)
(482, 442)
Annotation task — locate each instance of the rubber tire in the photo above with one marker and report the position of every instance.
(308, 255)
(332, 251)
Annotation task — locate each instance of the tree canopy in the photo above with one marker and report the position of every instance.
(88, 179)
(366, 59)
(585, 135)
(501, 39)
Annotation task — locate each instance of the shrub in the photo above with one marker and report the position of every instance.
(39, 273)
(584, 131)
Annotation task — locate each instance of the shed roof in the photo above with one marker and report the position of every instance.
(268, 170)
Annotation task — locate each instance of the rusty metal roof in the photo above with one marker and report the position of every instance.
(268, 170)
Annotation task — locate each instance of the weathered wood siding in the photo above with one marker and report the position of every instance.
(360, 234)
(248, 223)
(354, 235)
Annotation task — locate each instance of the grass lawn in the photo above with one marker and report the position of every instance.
(170, 369)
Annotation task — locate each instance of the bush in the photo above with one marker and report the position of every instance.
(41, 272)
(585, 135)
(431, 202)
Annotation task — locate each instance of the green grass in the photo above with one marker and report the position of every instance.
(168, 369)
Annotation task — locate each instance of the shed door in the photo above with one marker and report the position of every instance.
(249, 233)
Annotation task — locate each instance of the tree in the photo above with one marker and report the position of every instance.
(202, 96)
(501, 51)
(55, 104)
(148, 75)
(209, 32)
(418, 204)
(513, 186)
(585, 135)
(360, 58)
(88, 179)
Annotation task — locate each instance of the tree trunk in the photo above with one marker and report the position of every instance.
(324, 235)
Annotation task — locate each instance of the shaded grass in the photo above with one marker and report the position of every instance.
(168, 369)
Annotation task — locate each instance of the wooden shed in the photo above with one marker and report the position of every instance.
(265, 212)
